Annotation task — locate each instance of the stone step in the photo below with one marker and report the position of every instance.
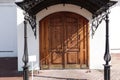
(8, 66)
(11, 74)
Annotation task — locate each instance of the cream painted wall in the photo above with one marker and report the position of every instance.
(8, 30)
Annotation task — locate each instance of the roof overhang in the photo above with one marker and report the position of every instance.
(94, 6)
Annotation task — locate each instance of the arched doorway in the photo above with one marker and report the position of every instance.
(64, 41)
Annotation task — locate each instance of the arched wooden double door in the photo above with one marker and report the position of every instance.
(64, 41)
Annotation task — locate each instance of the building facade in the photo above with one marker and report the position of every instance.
(77, 42)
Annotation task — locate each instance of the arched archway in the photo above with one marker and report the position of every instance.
(64, 41)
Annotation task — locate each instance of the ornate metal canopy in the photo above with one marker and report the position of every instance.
(94, 6)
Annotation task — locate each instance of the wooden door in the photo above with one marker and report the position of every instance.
(63, 41)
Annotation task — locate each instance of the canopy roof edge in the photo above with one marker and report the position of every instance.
(96, 7)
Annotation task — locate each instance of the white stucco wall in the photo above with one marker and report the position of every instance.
(7, 1)
(115, 28)
(8, 33)
(33, 44)
(97, 48)
(97, 43)
(12, 33)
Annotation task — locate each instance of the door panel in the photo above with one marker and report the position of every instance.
(56, 39)
(56, 58)
(72, 58)
(63, 41)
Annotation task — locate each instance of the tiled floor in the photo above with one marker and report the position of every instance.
(80, 74)
(75, 74)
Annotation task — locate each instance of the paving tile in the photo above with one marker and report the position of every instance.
(74, 74)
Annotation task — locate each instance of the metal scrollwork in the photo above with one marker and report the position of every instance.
(97, 21)
(27, 5)
(32, 21)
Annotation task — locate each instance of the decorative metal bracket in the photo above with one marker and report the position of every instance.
(97, 20)
(100, 15)
(27, 5)
(32, 21)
